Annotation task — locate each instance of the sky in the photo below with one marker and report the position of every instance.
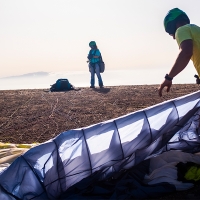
(53, 35)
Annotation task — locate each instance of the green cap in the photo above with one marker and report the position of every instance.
(92, 43)
(171, 19)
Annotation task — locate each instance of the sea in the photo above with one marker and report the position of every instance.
(43, 80)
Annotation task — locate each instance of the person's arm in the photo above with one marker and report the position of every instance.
(184, 56)
(89, 57)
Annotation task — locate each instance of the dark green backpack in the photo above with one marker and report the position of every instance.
(61, 85)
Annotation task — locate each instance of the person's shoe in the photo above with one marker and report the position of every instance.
(92, 86)
(101, 86)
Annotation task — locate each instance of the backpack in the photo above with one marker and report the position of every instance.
(101, 65)
(61, 85)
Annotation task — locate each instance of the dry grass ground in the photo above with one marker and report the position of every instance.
(28, 116)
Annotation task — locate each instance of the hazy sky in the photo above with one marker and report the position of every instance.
(53, 35)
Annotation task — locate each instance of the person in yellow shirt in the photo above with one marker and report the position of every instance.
(177, 24)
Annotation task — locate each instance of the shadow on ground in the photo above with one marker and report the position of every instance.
(102, 90)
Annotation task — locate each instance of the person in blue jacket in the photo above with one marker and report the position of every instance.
(94, 59)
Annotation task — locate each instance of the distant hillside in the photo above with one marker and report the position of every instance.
(28, 75)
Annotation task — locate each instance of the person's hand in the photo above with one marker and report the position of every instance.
(165, 83)
(197, 79)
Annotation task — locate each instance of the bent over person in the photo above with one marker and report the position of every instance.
(94, 59)
(177, 24)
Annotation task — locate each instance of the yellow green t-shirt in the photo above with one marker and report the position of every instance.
(191, 31)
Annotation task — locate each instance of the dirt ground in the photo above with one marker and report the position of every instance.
(29, 116)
